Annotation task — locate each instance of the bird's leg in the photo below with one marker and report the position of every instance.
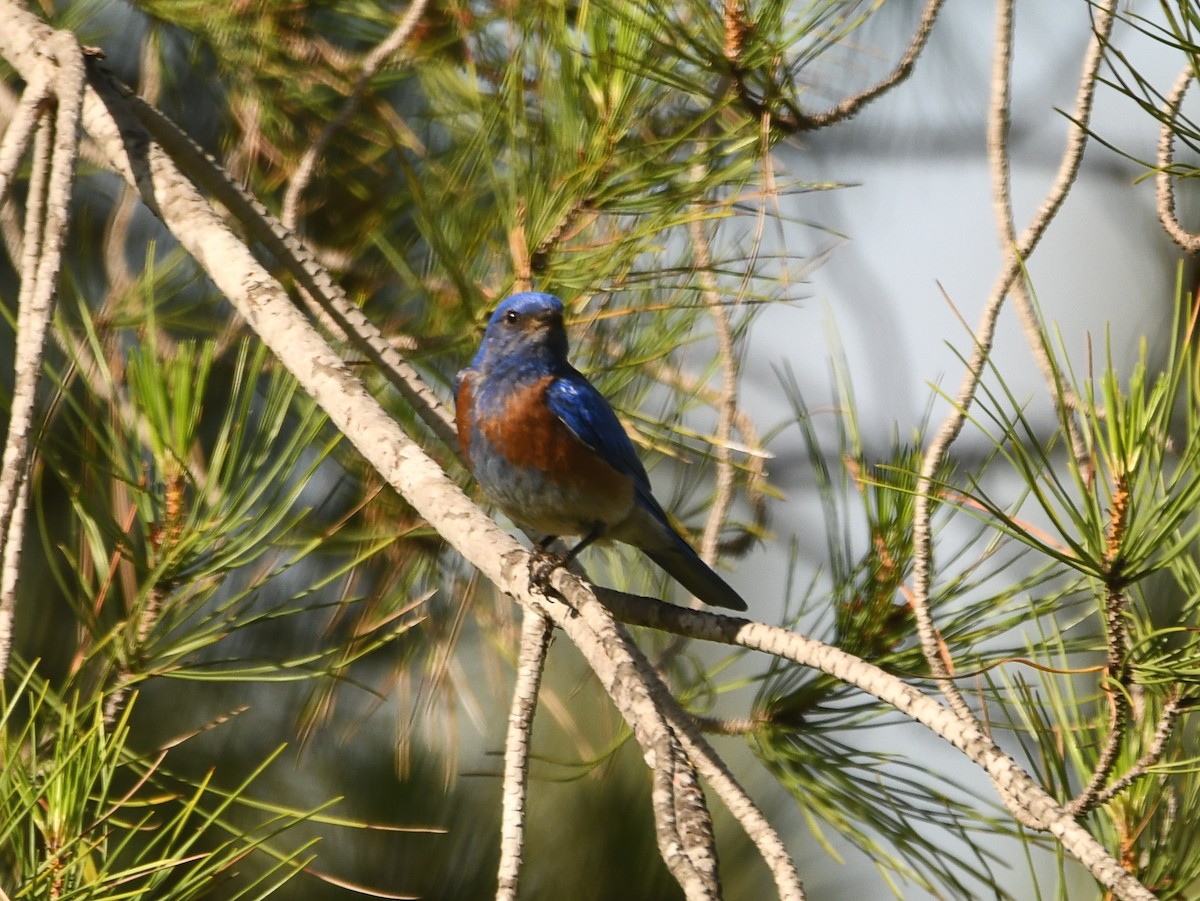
(584, 542)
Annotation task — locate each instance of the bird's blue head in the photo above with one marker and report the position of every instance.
(528, 325)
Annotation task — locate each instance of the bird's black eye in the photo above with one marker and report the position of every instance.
(512, 317)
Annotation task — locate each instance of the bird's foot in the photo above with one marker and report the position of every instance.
(542, 564)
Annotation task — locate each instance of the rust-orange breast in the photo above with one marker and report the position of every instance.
(530, 436)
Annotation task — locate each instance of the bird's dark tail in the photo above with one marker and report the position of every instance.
(686, 567)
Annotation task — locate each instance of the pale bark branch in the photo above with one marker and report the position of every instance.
(1015, 255)
(713, 770)
(531, 662)
(999, 119)
(12, 470)
(47, 215)
(1164, 180)
(681, 837)
(19, 134)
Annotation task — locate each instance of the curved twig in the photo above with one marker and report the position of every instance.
(852, 105)
(797, 120)
(1164, 185)
(939, 446)
(999, 120)
(375, 59)
(1166, 722)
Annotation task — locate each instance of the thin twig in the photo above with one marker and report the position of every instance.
(676, 818)
(797, 120)
(19, 133)
(693, 820)
(622, 670)
(939, 446)
(12, 475)
(727, 405)
(1164, 180)
(46, 226)
(852, 105)
(1116, 670)
(1162, 732)
(999, 119)
(1119, 712)
(376, 58)
(531, 662)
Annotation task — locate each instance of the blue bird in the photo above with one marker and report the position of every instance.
(550, 452)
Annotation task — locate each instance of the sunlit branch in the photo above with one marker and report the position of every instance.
(713, 770)
(19, 134)
(45, 234)
(1164, 180)
(531, 662)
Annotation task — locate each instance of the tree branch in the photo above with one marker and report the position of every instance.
(797, 120)
(1164, 184)
(47, 217)
(19, 134)
(851, 106)
(531, 662)
(1014, 785)
(1162, 732)
(1015, 256)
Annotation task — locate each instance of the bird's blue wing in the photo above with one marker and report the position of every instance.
(583, 409)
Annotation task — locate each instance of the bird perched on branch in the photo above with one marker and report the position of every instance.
(550, 452)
